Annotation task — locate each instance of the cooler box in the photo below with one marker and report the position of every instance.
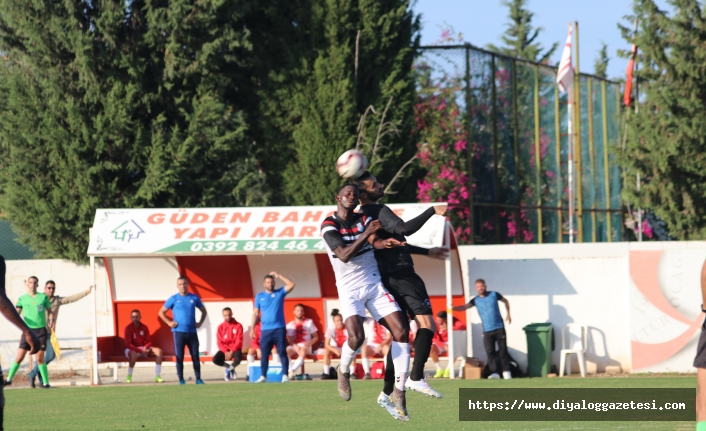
(274, 373)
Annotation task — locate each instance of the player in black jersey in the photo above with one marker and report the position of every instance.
(398, 275)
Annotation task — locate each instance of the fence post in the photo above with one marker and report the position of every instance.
(494, 119)
(577, 142)
(559, 180)
(606, 172)
(537, 155)
(516, 153)
(591, 150)
(469, 146)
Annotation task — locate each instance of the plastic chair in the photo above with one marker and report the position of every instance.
(573, 341)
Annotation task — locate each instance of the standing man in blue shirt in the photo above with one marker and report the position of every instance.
(274, 329)
(184, 326)
(493, 327)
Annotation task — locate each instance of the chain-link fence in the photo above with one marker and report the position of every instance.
(516, 124)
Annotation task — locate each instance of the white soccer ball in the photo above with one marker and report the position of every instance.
(351, 164)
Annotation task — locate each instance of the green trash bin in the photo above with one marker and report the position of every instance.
(540, 344)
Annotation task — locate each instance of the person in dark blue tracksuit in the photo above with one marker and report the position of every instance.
(184, 326)
(269, 308)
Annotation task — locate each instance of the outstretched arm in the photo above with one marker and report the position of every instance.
(464, 306)
(410, 227)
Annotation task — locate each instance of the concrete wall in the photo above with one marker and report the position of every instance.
(595, 285)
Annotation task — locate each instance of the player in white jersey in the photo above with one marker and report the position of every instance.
(350, 240)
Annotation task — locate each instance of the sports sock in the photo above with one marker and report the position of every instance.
(276, 359)
(400, 357)
(130, 370)
(422, 347)
(389, 374)
(701, 426)
(298, 363)
(352, 369)
(157, 369)
(44, 372)
(347, 357)
(436, 364)
(251, 359)
(366, 365)
(327, 369)
(13, 370)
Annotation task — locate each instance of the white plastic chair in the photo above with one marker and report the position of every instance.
(573, 340)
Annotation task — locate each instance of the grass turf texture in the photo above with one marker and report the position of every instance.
(297, 405)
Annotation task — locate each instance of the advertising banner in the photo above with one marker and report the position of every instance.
(206, 231)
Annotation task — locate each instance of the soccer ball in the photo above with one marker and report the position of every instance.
(351, 164)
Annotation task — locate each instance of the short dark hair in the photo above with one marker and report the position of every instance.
(181, 277)
(49, 282)
(136, 311)
(34, 277)
(269, 276)
(359, 182)
(480, 280)
(441, 314)
(227, 309)
(347, 185)
(300, 305)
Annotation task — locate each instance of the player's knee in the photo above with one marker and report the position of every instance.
(355, 340)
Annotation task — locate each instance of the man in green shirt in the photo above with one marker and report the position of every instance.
(35, 307)
(12, 315)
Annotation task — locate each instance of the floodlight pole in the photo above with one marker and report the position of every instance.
(449, 300)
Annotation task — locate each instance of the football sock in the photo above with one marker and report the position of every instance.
(129, 371)
(400, 357)
(44, 372)
(157, 369)
(13, 370)
(276, 359)
(352, 369)
(327, 369)
(298, 363)
(366, 365)
(422, 347)
(436, 364)
(389, 374)
(251, 359)
(701, 426)
(347, 356)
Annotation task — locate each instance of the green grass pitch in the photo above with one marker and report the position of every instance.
(296, 405)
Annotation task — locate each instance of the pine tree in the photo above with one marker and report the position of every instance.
(329, 104)
(600, 65)
(520, 37)
(121, 104)
(666, 136)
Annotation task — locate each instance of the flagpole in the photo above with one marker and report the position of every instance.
(571, 169)
(565, 81)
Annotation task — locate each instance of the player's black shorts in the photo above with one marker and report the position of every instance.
(409, 291)
(41, 333)
(700, 360)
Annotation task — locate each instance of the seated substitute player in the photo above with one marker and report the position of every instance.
(334, 339)
(34, 307)
(139, 345)
(377, 343)
(350, 239)
(301, 335)
(13, 316)
(229, 338)
(400, 279)
(441, 341)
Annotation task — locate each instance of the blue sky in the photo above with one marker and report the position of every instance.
(483, 22)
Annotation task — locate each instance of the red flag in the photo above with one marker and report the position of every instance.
(628, 73)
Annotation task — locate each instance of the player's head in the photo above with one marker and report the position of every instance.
(299, 311)
(227, 314)
(480, 286)
(337, 319)
(135, 316)
(269, 282)
(49, 288)
(183, 285)
(32, 283)
(348, 196)
(370, 189)
(441, 318)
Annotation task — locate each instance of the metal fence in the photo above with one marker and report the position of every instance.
(516, 120)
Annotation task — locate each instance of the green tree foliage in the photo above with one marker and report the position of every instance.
(330, 101)
(520, 37)
(666, 136)
(600, 65)
(121, 104)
